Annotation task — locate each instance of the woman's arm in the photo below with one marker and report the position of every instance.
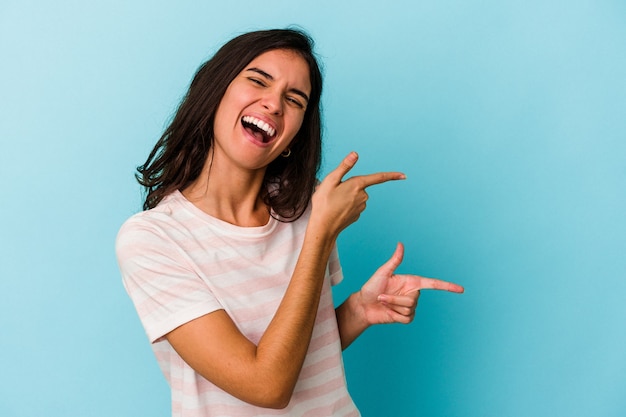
(263, 375)
(385, 298)
(266, 374)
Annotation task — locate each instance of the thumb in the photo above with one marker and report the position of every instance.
(344, 167)
(395, 260)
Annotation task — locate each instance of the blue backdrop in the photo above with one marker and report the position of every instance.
(509, 119)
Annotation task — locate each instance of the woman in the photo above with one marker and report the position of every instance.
(231, 263)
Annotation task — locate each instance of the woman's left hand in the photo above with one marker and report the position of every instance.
(392, 298)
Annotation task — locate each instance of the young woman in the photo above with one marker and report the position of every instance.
(231, 264)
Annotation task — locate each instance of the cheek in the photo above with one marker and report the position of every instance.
(217, 121)
(233, 99)
(296, 126)
(226, 113)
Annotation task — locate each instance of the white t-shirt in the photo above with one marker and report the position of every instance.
(179, 263)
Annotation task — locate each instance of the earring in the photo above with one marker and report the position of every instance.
(286, 153)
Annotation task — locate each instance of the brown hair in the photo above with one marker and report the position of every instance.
(179, 156)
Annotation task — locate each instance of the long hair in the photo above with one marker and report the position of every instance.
(179, 155)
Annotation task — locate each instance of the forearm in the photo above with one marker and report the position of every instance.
(283, 347)
(350, 320)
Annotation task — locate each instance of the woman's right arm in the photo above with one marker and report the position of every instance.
(266, 374)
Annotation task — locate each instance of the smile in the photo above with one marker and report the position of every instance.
(260, 129)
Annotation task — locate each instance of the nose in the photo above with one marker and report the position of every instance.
(272, 101)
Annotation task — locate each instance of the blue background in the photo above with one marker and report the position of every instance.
(509, 119)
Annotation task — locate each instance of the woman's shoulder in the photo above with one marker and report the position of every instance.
(165, 215)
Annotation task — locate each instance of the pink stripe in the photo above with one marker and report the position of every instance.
(321, 390)
(319, 367)
(329, 410)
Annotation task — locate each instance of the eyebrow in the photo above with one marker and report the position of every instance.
(269, 77)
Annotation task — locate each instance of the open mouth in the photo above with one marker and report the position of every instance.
(258, 128)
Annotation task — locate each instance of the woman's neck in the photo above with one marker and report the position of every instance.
(231, 195)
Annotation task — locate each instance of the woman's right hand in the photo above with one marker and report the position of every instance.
(338, 203)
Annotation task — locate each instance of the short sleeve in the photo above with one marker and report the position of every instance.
(160, 280)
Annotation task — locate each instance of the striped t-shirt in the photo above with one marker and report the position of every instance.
(179, 263)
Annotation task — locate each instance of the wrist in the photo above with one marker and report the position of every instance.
(351, 319)
(319, 232)
(358, 308)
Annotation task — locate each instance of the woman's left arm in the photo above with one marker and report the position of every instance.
(385, 298)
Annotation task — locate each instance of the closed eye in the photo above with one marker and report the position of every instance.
(257, 81)
(295, 101)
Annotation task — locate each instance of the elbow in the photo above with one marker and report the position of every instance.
(274, 396)
(278, 404)
(276, 400)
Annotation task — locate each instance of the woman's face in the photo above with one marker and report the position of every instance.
(262, 109)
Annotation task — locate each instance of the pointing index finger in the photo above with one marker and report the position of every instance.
(378, 178)
(436, 284)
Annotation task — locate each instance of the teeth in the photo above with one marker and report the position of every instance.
(260, 124)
